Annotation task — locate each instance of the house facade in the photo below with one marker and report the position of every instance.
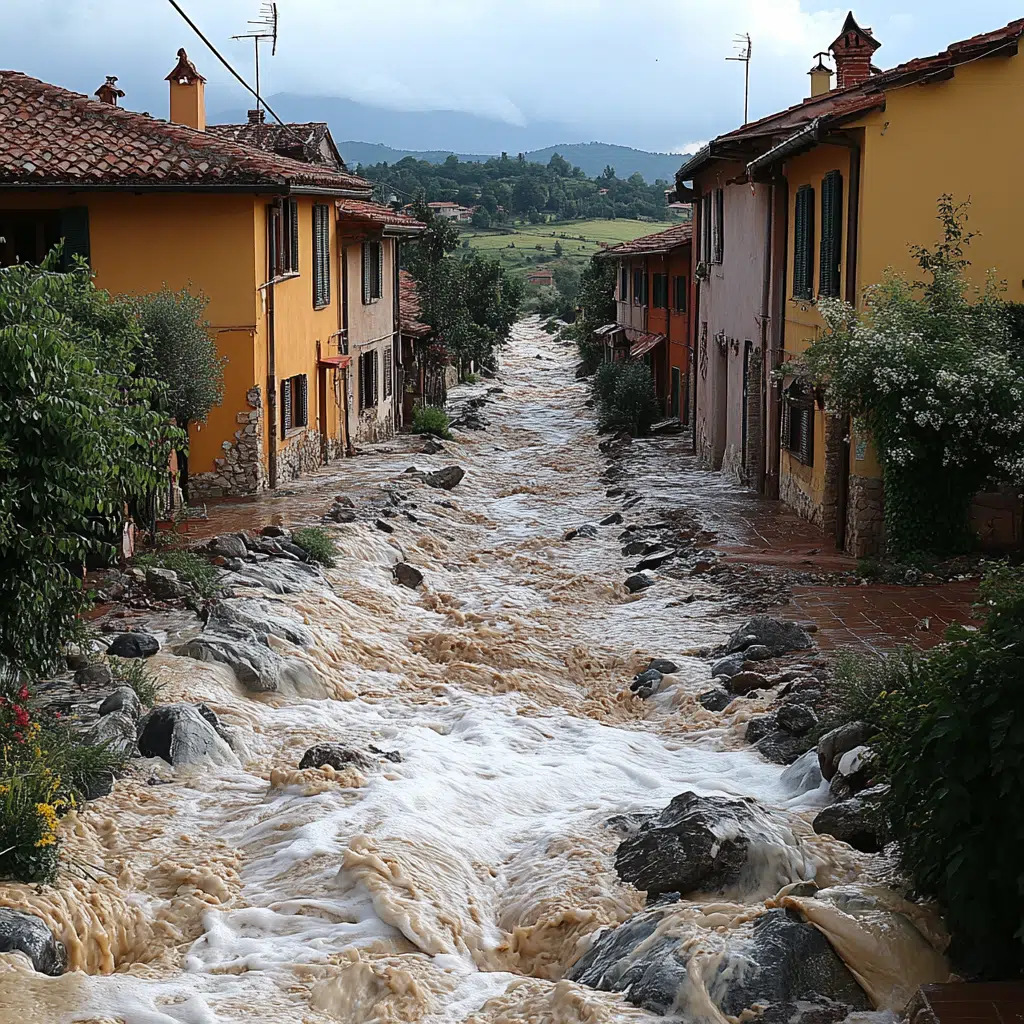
(151, 203)
(826, 200)
(652, 300)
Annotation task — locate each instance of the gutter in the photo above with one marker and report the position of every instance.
(807, 136)
(694, 164)
(390, 230)
(259, 188)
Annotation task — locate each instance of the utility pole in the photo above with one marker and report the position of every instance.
(745, 49)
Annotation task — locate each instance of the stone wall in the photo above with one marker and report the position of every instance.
(800, 501)
(240, 470)
(302, 454)
(865, 528)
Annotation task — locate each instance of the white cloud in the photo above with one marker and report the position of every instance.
(690, 147)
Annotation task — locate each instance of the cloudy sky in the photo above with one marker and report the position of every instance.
(645, 73)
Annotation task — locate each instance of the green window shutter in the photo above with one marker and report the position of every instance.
(831, 234)
(380, 271)
(293, 227)
(803, 243)
(807, 435)
(286, 406)
(326, 283)
(302, 419)
(366, 273)
(74, 229)
(719, 226)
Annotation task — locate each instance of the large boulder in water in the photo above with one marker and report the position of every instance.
(133, 645)
(712, 844)
(182, 734)
(30, 935)
(445, 479)
(778, 635)
(781, 963)
(859, 821)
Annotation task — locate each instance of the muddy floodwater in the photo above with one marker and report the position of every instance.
(463, 865)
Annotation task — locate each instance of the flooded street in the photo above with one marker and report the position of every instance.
(459, 866)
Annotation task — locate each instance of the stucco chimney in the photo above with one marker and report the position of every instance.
(256, 117)
(108, 92)
(188, 97)
(853, 49)
(821, 77)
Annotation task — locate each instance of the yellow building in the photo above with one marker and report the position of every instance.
(262, 236)
(852, 175)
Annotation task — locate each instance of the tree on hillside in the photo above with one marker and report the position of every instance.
(560, 166)
(80, 435)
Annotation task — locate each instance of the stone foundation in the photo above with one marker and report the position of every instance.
(240, 469)
(792, 494)
(368, 426)
(865, 528)
(303, 453)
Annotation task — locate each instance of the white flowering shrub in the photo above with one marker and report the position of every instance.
(932, 370)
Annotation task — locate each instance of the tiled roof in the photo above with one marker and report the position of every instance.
(842, 103)
(301, 140)
(374, 213)
(409, 307)
(50, 136)
(663, 241)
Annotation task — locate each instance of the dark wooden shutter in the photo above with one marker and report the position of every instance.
(806, 453)
(379, 293)
(803, 243)
(705, 228)
(831, 234)
(681, 293)
(293, 228)
(325, 255)
(302, 401)
(375, 375)
(366, 273)
(718, 226)
(74, 229)
(286, 406)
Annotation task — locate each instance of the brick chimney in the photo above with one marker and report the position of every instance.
(853, 49)
(188, 97)
(821, 77)
(257, 117)
(108, 92)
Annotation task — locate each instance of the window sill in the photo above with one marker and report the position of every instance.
(803, 300)
(293, 432)
(317, 306)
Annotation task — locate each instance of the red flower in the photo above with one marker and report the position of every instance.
(23, 693)
(19, 738)
(21, 718)
(56, 714)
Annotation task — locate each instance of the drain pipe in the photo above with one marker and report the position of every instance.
(271, 388)
(766, 291)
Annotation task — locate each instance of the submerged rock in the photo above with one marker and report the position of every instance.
(834, 744)
(30, 935)
(781, 747)
(796, 718)
(181, 734)
(445, 479)
(133, 645)
(730, 665)
(92, 674)
(116, 730)
(744, 682)
(637, 582)
(335, 755)
(803, 775)
(124, 699)
(711, 844)
(715, 699)
(663, 665)
(408, 575)
(613, 520)
(656, 560)
(258, 668)
(858, 821)
(777, 635)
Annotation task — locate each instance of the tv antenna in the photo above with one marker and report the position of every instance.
(262, 29)
(745, 49)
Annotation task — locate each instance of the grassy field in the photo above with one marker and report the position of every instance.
(531, 246)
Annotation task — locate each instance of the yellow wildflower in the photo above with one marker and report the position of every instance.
(48, 813)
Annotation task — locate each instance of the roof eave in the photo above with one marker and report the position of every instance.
(274, 188)
(404, 229)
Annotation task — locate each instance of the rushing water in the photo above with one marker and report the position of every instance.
(461, 882)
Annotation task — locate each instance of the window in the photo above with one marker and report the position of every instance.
(321, 255)
(368, 362)
(660, 288)
(639, 288)
(705, 228)
(831, 234)
(373, 272)
(388, 373)
(718, 230)
(624, 284)
(798, 422)
(803, 244)
(283, 238)
(680, 296)
(294, 404)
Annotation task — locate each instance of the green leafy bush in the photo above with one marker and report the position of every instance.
(133, 672)
(625, 397)
(191, 568)
(430, 419)
(30, 812)
(317, 543)
(951, 743)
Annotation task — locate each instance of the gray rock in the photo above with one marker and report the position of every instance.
(294, 549)
(432, 447)
(757, 652)
(228, 545)
(97, 674)
(701, 844)
(338, 514)
(663, 665)
(613, 520)
(116, 730)
(796, 718)
(445, 479)
(408, 575)
(854, 771)
(635, 547)
(759, 727)
(383, 526)
(258, 668)
(124, 699)
(335, 755)
(779, 636)
(164, 584)
(858, 821)
(77, 660)
(646, 683)
(715, 699)
(743, 682)
(30, 935)
(181, 734)
(656, 560)
(637, 582)
(803, 775)
(730, 665)
(255, 619)
(834, 744)
(133, 645)
(782, 747)
(277, 531)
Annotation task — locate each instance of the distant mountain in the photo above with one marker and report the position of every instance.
(591, 157)
(434, 134)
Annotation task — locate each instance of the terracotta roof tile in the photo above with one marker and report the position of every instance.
(663, 241)
(409, 306)
(301, 140)
(68, 139)
(374, 213)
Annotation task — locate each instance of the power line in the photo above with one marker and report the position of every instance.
(213, 49)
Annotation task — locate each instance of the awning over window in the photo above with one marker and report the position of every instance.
(338, 362)
(643, 343)
(607, 329)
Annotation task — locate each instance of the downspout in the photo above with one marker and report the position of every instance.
(271, 387)
(398, 370)
(347, 374)
(780, 261)
(766, 291)
(696, 252)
